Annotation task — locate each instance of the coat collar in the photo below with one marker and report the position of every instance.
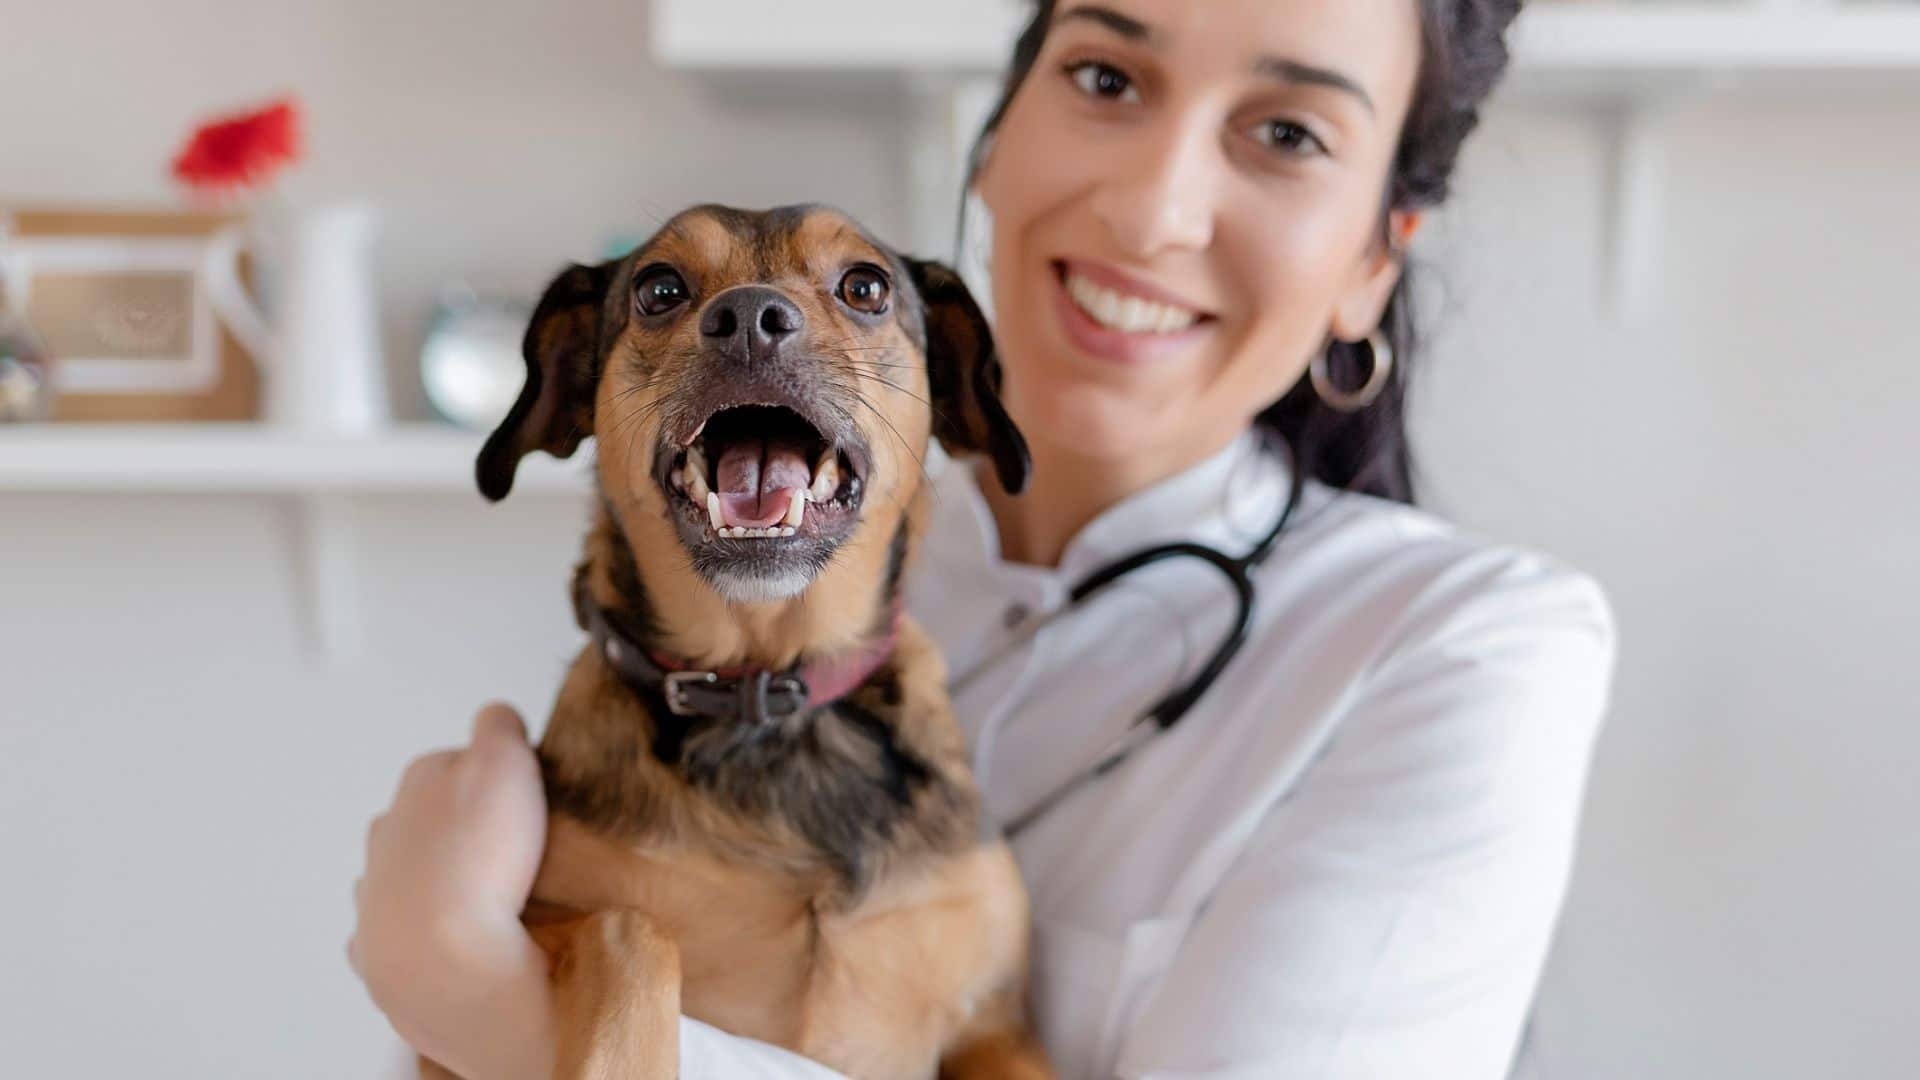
(1228, 500)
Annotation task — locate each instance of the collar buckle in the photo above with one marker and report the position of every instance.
(757, 697)
(674, 688)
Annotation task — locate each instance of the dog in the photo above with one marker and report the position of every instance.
(761, 811)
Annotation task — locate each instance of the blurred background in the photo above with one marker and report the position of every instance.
(244, 575)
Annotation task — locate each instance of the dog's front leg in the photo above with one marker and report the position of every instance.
(998, 1045)
(1007, 1055)
(616, 996)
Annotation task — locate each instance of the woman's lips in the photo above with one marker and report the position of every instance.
(1107, 343)
(1119, 281)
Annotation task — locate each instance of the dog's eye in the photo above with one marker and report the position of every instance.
(865, 289)
(659, 291)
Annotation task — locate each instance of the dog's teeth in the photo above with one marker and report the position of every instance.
(713, 514)
(788, 532)
(796, 509)
(695, 437)
(826, 480)
(695, 475)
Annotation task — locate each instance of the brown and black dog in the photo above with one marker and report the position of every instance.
(762, 814)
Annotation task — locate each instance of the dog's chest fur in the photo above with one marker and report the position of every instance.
(826, 883)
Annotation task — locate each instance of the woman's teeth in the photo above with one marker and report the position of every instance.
(1127, 314)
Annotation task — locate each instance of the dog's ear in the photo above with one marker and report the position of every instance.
(964, 371)
(562, 350)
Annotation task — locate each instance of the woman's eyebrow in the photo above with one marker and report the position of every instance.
(1296, 72)
(1276, 67)
(1126, 26)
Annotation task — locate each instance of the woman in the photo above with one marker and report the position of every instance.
(1348, 858)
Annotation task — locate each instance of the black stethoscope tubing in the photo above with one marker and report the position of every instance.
(1172, 708)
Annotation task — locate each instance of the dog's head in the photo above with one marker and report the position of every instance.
(762, 388)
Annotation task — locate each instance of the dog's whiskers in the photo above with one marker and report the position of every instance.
(904, 445)
(892, 385)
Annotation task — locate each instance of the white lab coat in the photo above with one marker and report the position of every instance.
(1348, 860)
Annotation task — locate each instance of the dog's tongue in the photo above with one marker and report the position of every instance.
(756, 480)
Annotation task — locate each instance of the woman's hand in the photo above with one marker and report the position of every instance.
(438, 938)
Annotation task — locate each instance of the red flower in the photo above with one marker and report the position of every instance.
(241, 151)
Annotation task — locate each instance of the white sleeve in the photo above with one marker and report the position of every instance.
(707, 1053)
(1391, 915)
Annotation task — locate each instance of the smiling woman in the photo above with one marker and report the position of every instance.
(1348, 860)
(1241, 180)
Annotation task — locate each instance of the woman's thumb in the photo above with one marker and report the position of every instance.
(498, 723)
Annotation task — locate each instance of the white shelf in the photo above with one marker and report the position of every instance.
(317, 477)
(1620, 40)
(969, 37)
(1724, 37)
(254, 459)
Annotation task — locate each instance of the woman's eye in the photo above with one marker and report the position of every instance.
(865, 289)
(1103, 81)
(660, 291)
(1291, 137)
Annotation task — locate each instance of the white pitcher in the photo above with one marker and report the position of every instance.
(320, 357)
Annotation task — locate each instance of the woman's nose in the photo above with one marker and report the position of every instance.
(1160, 195)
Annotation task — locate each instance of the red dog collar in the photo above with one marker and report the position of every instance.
(750, 695)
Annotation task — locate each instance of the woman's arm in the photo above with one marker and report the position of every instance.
(1391, 916)
(438, 939)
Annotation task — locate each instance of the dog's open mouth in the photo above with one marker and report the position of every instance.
(766, 473)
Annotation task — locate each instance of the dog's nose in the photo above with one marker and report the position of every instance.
(750, 322)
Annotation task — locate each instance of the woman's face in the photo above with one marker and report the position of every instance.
(1186, 200)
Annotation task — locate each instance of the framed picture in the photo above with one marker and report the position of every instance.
(119, 302)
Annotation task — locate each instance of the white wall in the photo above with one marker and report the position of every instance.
(183, 788)
(1739, 471)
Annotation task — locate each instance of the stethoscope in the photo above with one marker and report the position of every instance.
(1169, 710)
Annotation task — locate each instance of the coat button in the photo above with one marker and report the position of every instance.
(1015, 615)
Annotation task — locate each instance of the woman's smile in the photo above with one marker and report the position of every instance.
(1113, 317)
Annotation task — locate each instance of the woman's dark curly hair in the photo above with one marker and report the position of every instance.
(1464, 55)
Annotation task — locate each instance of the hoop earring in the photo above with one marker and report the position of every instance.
(1351, 402)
